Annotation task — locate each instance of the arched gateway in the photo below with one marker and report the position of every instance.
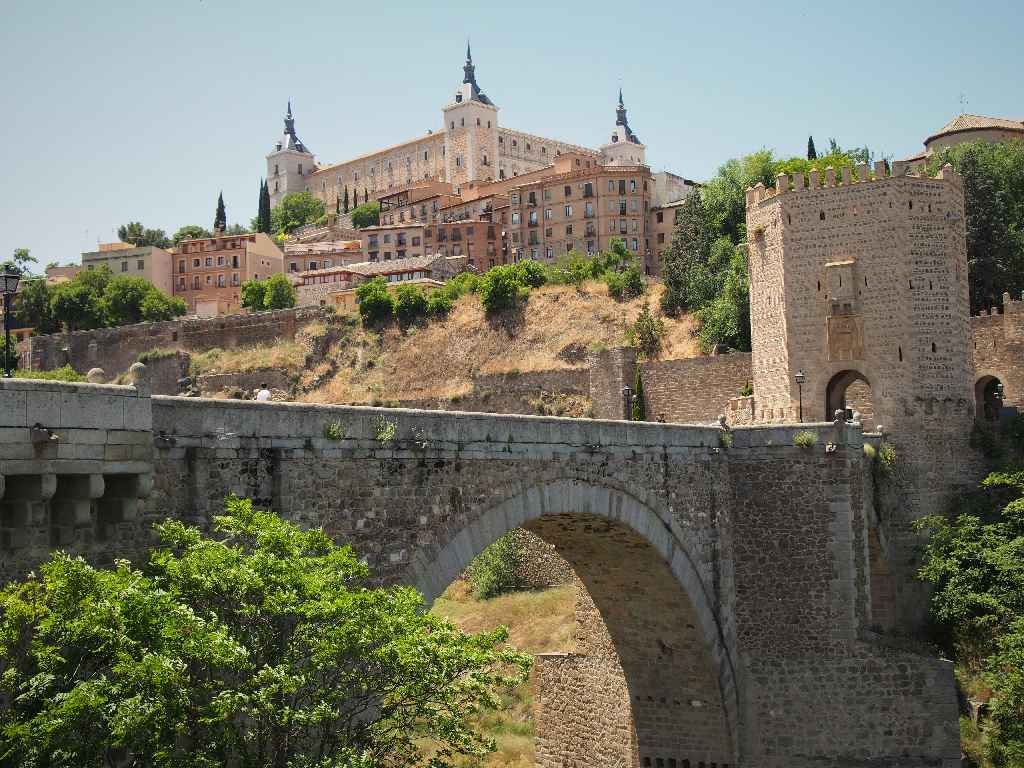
(727, 607)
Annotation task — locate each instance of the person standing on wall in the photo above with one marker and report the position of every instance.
(263, 395)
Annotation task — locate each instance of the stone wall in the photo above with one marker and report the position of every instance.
(696, 390)
(247, 381)
(115, 349)
(998, 350)
(730, 588)
(554, 392)
(610, 371)
(540, 564)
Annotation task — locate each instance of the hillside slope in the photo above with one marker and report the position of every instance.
(440, 360)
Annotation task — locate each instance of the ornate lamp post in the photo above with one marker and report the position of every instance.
(800, 378)
(8, 287)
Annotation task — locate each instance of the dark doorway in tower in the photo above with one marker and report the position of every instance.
(988, 398)
(850, 391)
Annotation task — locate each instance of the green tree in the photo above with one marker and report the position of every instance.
(376, 305)
(501, 289)
(975, 561)
(122, 299)
(689, 252)
(495, 571)
(638, 412)
(725, 195)
(254, 295)
(812, 153)
(410, 304)
(259, 645)
(190, 232)
(296, 209)
(220, 218)
(157, 306)
(32, 306)
(133, 232)
(346, 199)
(279, 293)
(439, 304)
(78, 306)
(647, 333)
(725, 318)
(19, 262)
(993, 179)
(265, 224)
(366, 215)
(573, 269)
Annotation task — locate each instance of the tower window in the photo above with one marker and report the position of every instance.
(821, 215)
(478, 121)
(462, 122)
(900, 349)
(300, 169)
(934, 349)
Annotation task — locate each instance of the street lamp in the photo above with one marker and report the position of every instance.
(627, 402)
(8, 287)
(800, 378)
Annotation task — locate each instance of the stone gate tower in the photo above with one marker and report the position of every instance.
(470, 132)
(290, 163)
(861, 284)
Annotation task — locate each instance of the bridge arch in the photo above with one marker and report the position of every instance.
(665, 632)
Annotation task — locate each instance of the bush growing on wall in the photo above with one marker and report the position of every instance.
(376, 305)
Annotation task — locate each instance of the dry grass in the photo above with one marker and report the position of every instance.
(441, 359)
(537, 622)
(281, 354)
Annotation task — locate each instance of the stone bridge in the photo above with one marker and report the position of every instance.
(725, 615)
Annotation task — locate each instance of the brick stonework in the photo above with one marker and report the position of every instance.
(694, 391)
(998, 351)
(730, 586)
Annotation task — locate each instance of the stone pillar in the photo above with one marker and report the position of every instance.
(610, 371)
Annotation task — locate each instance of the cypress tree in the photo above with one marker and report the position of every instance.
(812, 153)
(264, 208)
(220, 219)
(366, 196)
(346, 198)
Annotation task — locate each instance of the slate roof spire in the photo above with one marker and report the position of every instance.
(291, 140)
(620, 119)
(473, 93)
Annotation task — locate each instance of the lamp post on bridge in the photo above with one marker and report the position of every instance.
(627, 402)
(800, 378)
(8, 287)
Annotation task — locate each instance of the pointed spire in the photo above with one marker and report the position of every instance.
(620, 97)
(290, 107)
(469, 54)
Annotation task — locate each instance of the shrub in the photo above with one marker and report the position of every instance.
(647, 333)
(887, 456)
(366, 215)
(625, 285)
(869, 452)
(439, 304)
(495, 570)
(725, 439)
(531, 273)
(501, 290)
(410, 304)
(333, 430)
(376, 305)
(805, 439)
(386, 431)
(66, 373)
(747, 390)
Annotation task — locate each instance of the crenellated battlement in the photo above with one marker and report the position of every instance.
(847, 177)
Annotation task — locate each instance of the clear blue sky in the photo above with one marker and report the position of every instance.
(118, 111)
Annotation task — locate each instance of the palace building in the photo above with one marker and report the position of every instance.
(477, 189)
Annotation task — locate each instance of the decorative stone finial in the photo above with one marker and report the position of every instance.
(839, 416)
(95, 376)
(139, 379)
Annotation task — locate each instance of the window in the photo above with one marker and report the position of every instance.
(632, 204)
(220, 261)
(415, 240)
(514, 198)
(181, 283)
(622, 206)
(532, 198)
(277, 171)
(588, 189)
(568, 211)
(547, 213)
(181, 266)
(515, 217)
(209, 261)
(634, 244)
(195, 282)
(124, 266)
(611, 185)
(659, 217)
(195, 262)
(387, 238)
(622, 186)
(589, 210)
(234, 278)
(632, 185)
(300, 169)
(547, 194)
(220, 281)
(568, 191)
(661, 237)
(209, 279)
(568, 229)
(140, 264)
(533, 218)
(293, 267)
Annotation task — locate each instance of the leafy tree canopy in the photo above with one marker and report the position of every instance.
(134, 232)
(94, 298)
(190, 232)
(993, 174)
(296, 209)
(376, 305)
(261, 645)
(366, 215)
(410, 304)
(276, 292)
(19, 263)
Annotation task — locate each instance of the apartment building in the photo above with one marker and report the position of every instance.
(124, 259)
(209, 272)
(392, 241)
(309, 257)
